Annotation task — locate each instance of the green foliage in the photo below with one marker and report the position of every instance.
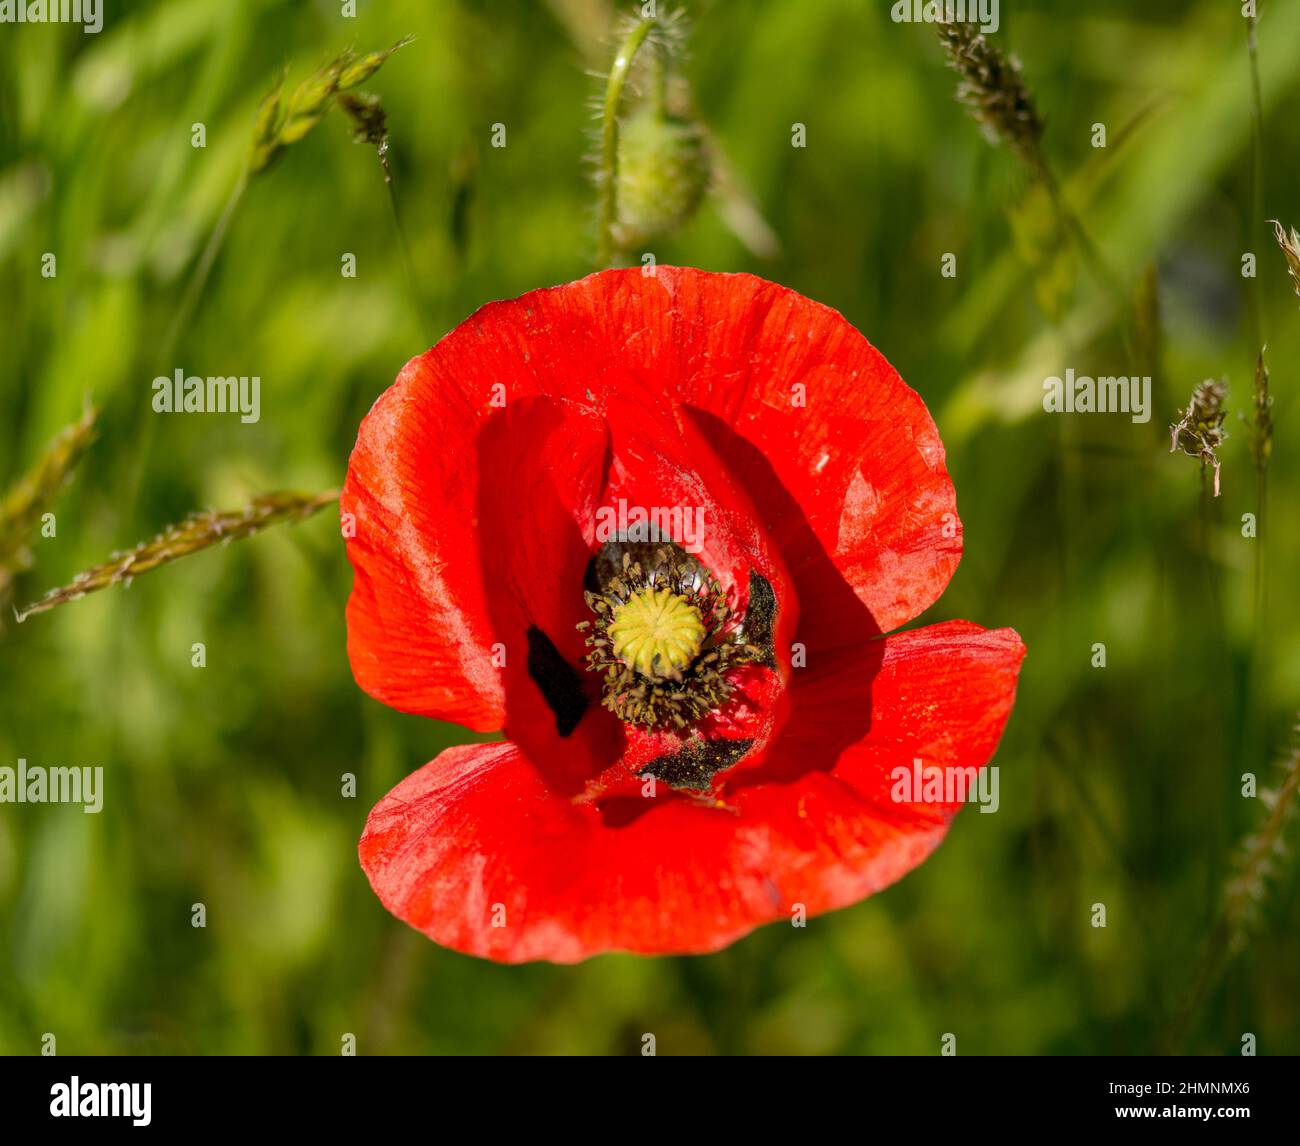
(1120, 785)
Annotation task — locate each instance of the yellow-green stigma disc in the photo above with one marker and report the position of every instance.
(657, 633)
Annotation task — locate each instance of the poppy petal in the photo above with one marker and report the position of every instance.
(841, 458)
(839, 452)
(541, 469)
(419, 636)
(472, 530)
(477, 852)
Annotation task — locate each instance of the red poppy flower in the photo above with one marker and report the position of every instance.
(702, 714)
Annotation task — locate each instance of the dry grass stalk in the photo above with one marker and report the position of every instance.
(994, 90)
(1290, 244)
(1260, 854)
(1200, 433)
(284, 121)
(29, 498)
(198, 532)
(1261, 428)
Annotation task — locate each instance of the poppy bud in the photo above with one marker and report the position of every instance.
(663, 172)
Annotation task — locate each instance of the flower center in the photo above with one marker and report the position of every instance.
(657, 632)
(662, 636)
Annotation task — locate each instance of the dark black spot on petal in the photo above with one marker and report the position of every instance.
(695, 765)
(760, 618)
(560, 682)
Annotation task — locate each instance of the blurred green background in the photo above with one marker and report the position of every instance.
(1119, 785)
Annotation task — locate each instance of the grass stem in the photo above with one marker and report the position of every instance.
(608, 177)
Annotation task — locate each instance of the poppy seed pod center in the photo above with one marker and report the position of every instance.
(662, 637)
(657, 632)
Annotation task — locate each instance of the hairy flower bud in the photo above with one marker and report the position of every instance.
(663, 172)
